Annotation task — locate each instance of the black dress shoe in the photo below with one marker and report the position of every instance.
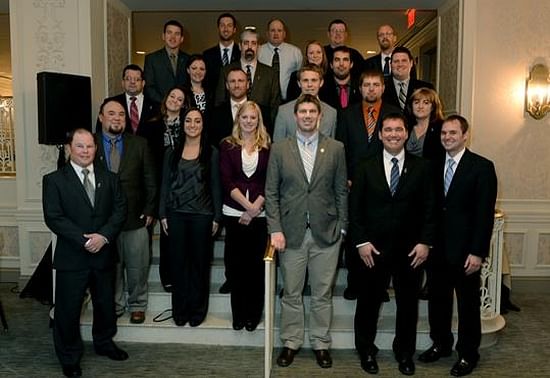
(250, 325)
(350, 294)
(195, 322)
(286, 357)
(180, 320)
(225, 288)
(433, 354)
(463, 367)
(323, 358)
(369, 364)
(72, 370)
(238, 325)
(113, 352)
(406, 366)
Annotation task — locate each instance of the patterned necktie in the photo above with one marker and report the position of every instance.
(88, 187)
(308, 159)
(275, 61)
(174, 63)
(344, 96)
(394, 175)
(449, 174)
(249, 77)
(387, 66)
(134, 114)
(225, 56)
(114, 156)
(402, 95)
(371, 122)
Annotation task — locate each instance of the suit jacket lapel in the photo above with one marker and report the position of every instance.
(319, 157)
(403, 177)
(75, 182)
(123, 156)
(297, 157)
(460, 171)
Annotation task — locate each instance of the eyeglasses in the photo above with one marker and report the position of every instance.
(388, 34)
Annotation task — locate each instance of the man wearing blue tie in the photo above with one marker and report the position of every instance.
(466, 194)
(392, 224)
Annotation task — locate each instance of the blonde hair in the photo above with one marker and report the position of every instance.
(262, 137)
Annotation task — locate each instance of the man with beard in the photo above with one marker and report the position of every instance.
(387, 37)
(224, 53)
(358, 128)
(129, 157)
(165, 68)
(263, 80)
(340, 89)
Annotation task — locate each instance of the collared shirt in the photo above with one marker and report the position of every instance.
(229, 51)
(388, 163)
(107, 147)
(290, 60)
(311, 142)
(397, 85)
(78, 170)
(456, 158)
(252, 65)
(235, 106)
(139, 103)
(377, 106)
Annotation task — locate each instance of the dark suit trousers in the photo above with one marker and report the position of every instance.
(443, 280)
(244, 246)
(190, 256)
(70, 288)
(373, 285)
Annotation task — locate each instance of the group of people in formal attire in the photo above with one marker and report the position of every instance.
(314, 154)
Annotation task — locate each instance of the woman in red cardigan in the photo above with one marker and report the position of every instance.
(243, 166)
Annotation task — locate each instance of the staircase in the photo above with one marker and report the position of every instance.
(217, 328)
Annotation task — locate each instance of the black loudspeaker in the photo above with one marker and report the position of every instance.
(64, 104)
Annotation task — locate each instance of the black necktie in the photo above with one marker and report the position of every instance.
(387, 66)
(275, 61)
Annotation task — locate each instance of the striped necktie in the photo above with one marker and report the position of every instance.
(394, 175)
(371, 122)
(88, 187)
(402, 95)
(449, 174)
(225, 56)
(134, 114)
(308, 159)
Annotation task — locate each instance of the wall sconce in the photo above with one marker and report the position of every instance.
(537, 93)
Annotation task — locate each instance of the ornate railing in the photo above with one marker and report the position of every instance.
(7, 138)
(491, 272)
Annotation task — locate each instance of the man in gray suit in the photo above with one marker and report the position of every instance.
(165, 68)
(306, 209)
(310, 80)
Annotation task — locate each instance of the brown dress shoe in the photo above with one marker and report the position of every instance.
(286, 357)
(323, 358)
(137, 317)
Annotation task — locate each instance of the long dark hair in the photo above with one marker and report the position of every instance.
(205, 150)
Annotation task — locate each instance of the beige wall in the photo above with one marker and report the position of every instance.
(511, 37)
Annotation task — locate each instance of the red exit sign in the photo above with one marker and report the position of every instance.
(411, 17)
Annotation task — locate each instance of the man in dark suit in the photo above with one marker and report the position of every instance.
(225, 52)
(400, 85)
(392, 224)
(129, 157)
(466, 191)
(139, 109)
(337, 35)
(358, 128)
(306, 209)
(340, 88)
(85, 207)
(264, 81)
(387, 38)
(165, 68)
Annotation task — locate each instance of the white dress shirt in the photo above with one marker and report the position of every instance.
(290, 60)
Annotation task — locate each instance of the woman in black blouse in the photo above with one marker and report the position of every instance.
(199, 97)
(190, 212)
